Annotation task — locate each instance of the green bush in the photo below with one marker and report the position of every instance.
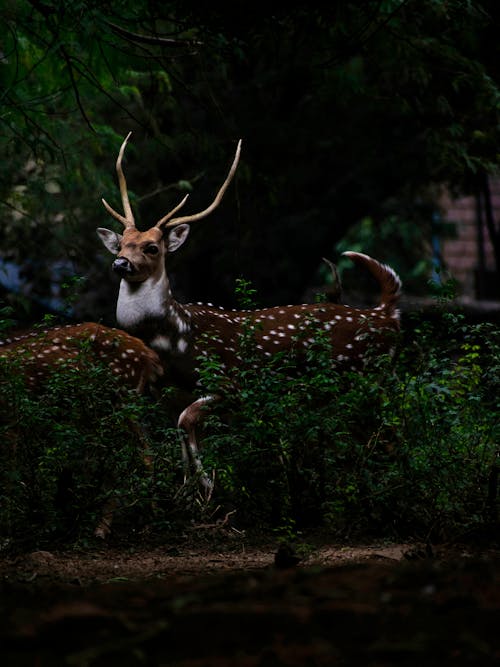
(404, 449)
(408, 448)
(75, 445)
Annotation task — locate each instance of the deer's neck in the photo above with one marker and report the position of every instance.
(149, 310)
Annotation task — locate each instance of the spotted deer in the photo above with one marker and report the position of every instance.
(36, 355)
(182, 333)
(40, 352)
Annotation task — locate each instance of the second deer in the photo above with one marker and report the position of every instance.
(39, 354)
(181, 333)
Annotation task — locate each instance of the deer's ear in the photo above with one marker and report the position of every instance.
(177, 237)
(111, 240)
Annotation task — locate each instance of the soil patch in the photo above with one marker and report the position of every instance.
(375, 605)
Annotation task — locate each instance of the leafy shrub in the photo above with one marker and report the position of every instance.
(76, 445)
(407, 448)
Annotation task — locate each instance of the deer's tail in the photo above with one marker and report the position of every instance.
(388, 279)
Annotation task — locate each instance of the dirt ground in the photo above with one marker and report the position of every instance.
(230, 603)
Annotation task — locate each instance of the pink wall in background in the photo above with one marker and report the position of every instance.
(461, 254)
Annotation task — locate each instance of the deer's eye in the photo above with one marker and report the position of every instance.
(151, 250)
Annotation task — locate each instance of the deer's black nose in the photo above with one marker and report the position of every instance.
(122, 266)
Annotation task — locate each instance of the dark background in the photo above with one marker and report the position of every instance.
(357, 111)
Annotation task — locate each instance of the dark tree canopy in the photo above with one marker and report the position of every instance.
(350, 111)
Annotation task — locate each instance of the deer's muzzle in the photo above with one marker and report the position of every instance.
(122, 266)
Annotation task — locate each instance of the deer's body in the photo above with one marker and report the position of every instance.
(39, 353)
(181, 334)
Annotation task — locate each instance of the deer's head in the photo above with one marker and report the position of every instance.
(141, 255)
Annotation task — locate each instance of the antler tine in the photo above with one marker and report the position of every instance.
(128, 219)
(218, 197)
(163, 220)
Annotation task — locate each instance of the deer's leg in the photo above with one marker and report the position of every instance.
(188, 421)
(103, 528)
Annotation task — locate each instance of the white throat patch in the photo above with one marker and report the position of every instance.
(137, 302)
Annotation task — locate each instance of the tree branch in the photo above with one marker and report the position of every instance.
(67, 59)
(150, 39)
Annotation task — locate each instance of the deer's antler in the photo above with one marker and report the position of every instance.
(202, 214)
(163, 220)
(127, 220)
